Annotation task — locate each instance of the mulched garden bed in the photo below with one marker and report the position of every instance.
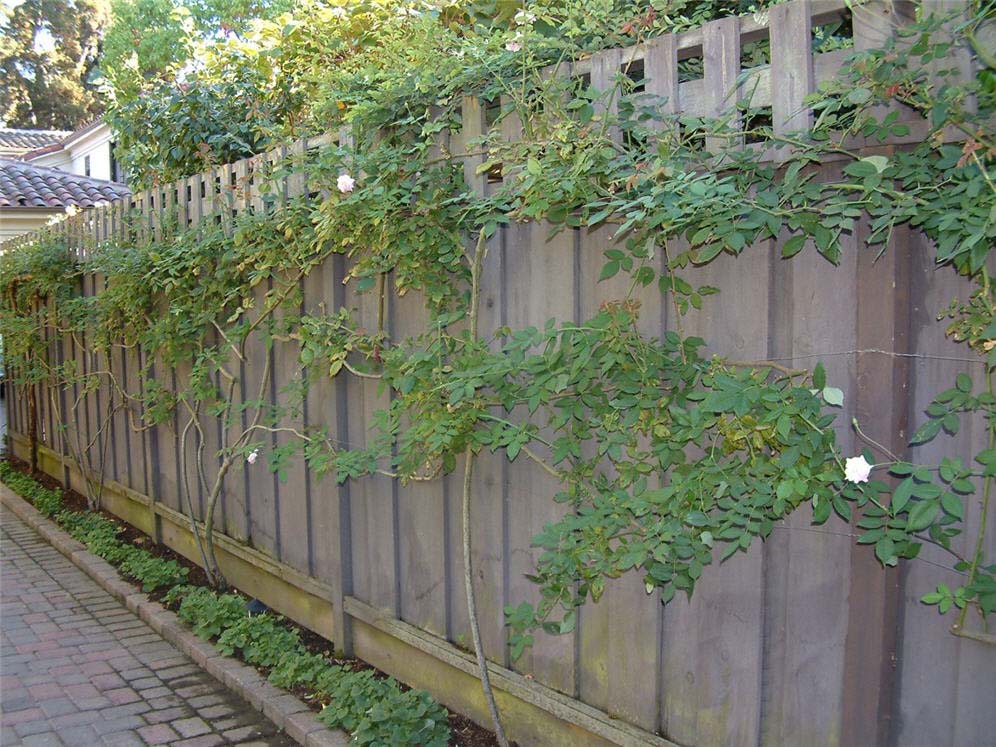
(465, 733)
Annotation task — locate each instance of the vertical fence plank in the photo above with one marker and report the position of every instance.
(806, 568)
(93, 384)
(374, 541)
(721, 60)
(62, 353)
(423, 544)
(75, 421)
(292, 488)
(489, 556)
(944, 683)
(258, 381)
(320, 413)
(660, 66)
(883, 303)
(712, 643)
(297, 182)
(792, 76)
(329, 527)
(873, 23)
(619, 655)
(541, 284)
(606, 67)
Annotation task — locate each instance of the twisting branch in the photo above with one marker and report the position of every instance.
(790, 372)
(185, 487)
(468, 472)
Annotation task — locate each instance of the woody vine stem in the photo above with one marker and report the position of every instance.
(465, 503)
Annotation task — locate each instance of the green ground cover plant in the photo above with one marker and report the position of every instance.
(98, 533)
(375, 710)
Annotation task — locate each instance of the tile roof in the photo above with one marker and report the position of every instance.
(15, 142)
(26, 185)
(57, 144)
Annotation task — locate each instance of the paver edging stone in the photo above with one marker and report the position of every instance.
(281, 707)
(299, 725)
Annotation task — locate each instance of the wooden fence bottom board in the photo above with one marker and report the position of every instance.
(532, 714)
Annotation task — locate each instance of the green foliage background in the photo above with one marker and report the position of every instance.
(49, 56)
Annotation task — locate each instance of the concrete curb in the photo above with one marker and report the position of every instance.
(283, 709)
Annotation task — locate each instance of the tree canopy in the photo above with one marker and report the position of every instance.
(49, 52)
(151, 40)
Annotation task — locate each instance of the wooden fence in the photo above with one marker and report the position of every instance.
(805, 640)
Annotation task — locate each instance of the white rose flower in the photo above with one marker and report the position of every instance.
(346, 183)
(857, 469)
(253, 456)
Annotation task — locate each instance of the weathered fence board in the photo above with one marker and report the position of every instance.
(542, 287)
(945, 683)
(423, 543)
(619, 654)
(806, 608)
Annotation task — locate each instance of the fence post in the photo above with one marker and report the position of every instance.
(882, 387)
(881, 402)
(341, 581)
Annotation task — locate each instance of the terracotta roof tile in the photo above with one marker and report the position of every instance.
(14, 142)
(26, 185)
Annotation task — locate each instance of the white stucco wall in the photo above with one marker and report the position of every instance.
(95, 143)
(15, 221)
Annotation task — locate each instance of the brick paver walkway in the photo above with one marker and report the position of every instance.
(77, 668)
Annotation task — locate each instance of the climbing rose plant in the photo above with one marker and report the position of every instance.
(666, 459)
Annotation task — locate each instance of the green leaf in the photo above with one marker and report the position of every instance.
(901, 496)
(880, 163)
(833, 396)
(953, 505)
(860, 169)
(859, 96)
(793, 246)
(819, 376)
(569, 622)
(697, 519)
(885, 551)
(951, 423)
(922, 515)
(926, 433)
(708, 253)
(963, 383)
(610, 269)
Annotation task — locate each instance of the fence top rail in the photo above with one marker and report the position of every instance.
(795, 70)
